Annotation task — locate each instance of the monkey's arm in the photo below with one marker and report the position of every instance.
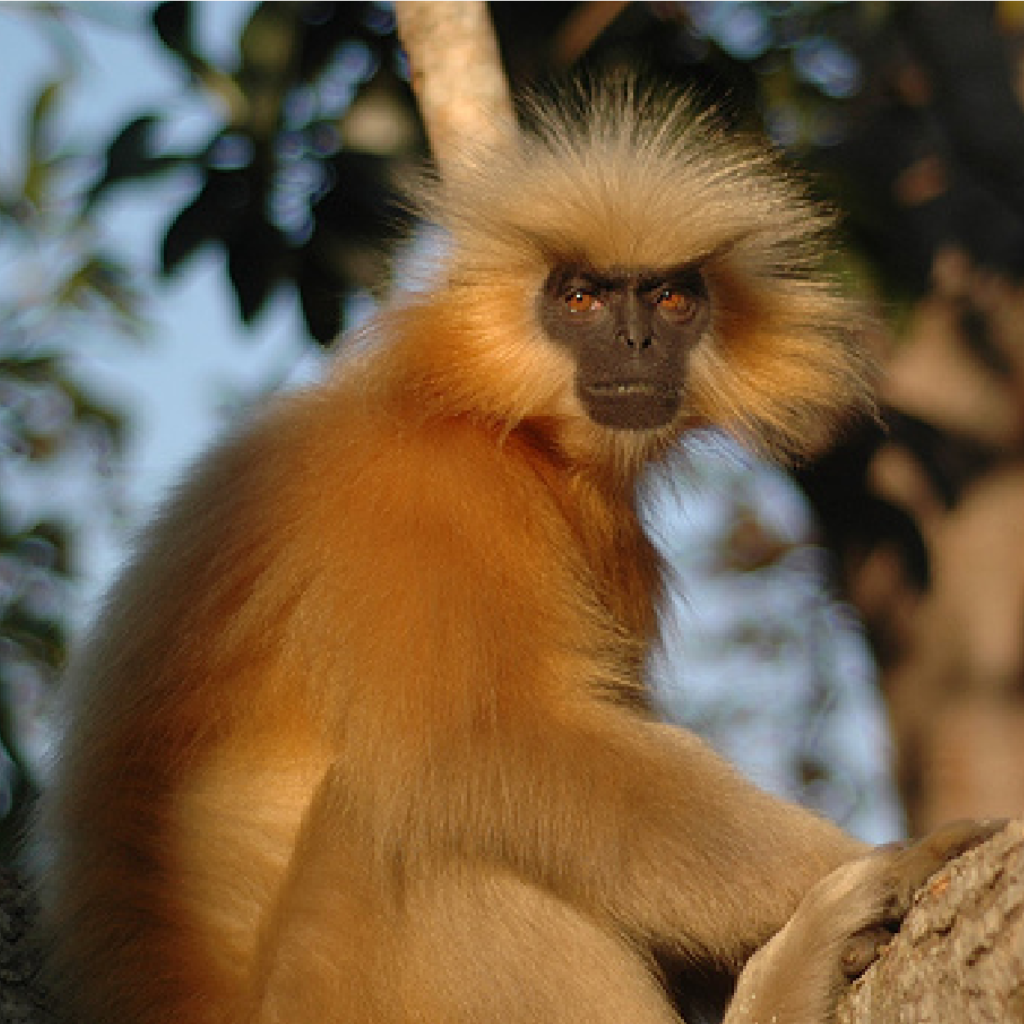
(472, 672)
(649, 828)
(699, 860)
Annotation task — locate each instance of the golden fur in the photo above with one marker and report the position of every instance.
(359, 734)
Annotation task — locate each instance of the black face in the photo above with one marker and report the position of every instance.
(630, 332)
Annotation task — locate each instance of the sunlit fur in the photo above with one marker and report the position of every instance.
(360, 733)
(650, 183)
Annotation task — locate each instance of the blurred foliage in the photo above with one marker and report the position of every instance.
(293, 185)
(316, 123)
(60, 285)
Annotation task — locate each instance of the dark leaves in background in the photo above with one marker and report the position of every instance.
(132, 156)
(319, 295)
(257, 259)
(173, 24)
(216, 214)
(34, 572)
(278, 192)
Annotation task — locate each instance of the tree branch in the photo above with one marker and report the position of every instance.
(959, 957)
(457, 74)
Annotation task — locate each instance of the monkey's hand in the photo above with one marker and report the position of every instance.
(840, 928)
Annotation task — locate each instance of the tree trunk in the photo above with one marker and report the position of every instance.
(959, 957)
(926, 520)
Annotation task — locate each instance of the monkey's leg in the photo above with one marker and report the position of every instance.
(836, 931)
(484, 946)
(354, 941)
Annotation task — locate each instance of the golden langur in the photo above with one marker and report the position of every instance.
(361, 734)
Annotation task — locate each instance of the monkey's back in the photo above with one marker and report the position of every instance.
(321, 593)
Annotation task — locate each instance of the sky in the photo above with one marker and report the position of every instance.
(174, 385)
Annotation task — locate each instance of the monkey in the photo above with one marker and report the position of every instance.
(361, 734)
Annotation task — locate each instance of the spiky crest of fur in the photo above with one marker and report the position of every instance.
(620, 177)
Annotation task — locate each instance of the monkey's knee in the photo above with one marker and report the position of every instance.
(497, 948)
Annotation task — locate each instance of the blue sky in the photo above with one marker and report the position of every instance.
(174, 383)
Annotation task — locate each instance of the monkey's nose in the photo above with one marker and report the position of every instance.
(640, 344)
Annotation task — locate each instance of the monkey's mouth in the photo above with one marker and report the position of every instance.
(631, 404)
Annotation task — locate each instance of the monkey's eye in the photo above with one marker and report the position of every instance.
(579, 300)
(680, 294)
(672, 300)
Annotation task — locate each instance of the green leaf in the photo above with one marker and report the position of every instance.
(269, 46)
(45, 101)
(31, 369)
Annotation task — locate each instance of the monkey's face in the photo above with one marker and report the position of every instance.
(630, 333)
(627, 271)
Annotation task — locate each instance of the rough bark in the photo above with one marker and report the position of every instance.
(959, 957)
(21, 997)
